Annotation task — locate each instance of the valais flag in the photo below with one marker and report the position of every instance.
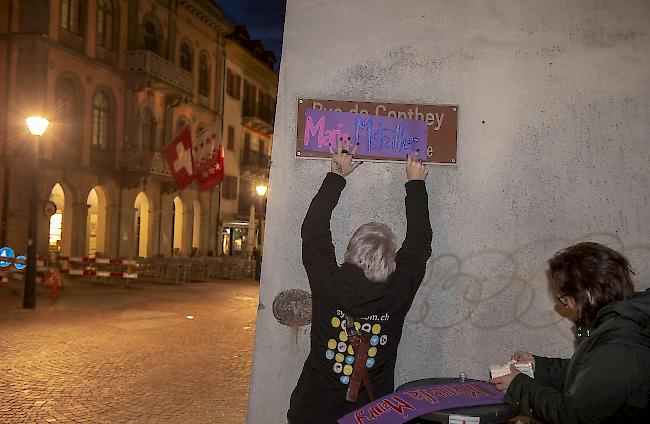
(208, 160)
(179, 158)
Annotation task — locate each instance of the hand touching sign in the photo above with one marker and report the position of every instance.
(415, 170)
(342, 160)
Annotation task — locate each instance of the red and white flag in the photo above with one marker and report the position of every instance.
(208, 158)
(179, 158)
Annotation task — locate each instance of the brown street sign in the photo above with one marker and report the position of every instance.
(382, 142)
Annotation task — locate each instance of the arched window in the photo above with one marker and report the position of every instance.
(66, 98)
(147, 129)
(105, 22)
(186, 56)
(204, 75)
(101, 119)
(150, 36)
(71, 16)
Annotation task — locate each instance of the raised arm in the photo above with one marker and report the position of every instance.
(411, 258)
(318, 254)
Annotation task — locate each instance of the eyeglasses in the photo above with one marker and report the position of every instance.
(562, 299)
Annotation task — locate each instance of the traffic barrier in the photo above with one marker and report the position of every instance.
(17, 271)
(116, 267)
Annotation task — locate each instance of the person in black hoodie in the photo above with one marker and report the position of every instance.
(372, 291)
(608, 378)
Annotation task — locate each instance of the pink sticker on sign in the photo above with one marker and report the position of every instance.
(375, 136)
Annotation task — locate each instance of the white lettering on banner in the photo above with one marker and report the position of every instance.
(432, 119)
(183, 159)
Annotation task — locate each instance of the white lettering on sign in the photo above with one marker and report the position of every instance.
(433, 120)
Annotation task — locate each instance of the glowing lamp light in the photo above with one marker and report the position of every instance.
(261, 189)
(37, 125)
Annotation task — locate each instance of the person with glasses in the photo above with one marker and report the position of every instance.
(608, 378)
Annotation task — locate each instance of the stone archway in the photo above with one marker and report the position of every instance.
(97, 224)
(59, 234)
(177, 226)
(141, 224)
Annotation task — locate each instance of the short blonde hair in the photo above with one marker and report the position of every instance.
(372, 248)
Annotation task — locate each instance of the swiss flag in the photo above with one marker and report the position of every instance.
(179, 158)
(212, 172)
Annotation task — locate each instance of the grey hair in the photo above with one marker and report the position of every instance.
(372, 248)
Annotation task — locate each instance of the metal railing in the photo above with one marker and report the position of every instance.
(150, 63)
(144, 161)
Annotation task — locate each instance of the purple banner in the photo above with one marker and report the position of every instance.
(376, 136)
(406, 404)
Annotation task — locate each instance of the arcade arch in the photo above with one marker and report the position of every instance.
(141, 224)
(96, 222)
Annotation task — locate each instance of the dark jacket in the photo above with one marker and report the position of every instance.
(606, 381)
(379, 308)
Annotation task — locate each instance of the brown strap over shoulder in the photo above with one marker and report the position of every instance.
(360, 341)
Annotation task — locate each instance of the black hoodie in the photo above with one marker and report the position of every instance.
(337, 292)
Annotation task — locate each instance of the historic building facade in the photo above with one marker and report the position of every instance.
(249, 111)
(117, 79)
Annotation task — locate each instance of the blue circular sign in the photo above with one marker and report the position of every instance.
(6, 252)
(21, 266)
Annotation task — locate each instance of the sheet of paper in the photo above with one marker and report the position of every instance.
(501, 370)
(463, 419)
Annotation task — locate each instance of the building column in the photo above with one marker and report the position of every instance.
(156, 240)
(42, 230)
(151, 237)
(126, 243)
(166, 217)
(215, 225)
(112, 238)
(186, 242)
(79, 221)
(204, 236)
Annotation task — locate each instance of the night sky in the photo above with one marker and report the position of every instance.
(264, 20)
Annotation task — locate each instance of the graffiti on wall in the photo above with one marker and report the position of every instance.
(493, 288)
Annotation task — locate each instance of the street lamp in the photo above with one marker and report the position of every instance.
(261, 191)
(37, 126)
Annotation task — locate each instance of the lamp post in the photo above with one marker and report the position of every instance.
(37, 126)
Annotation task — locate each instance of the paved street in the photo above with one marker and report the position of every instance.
(105, 354)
